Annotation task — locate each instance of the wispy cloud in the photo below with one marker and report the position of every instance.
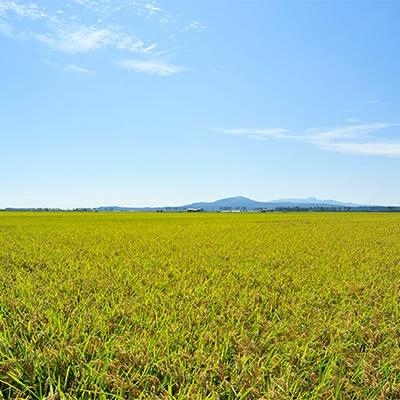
(6, 29)
(62, 31)
(76, 40)
(12, 12)
(368, 148)
(194, 26)
(152, 7)
(78, 69)
(352, 120)
(71, 68)
(82, 39)
(31, 11)
(272, 133)
(151, 67)
(369, 101)
(346, 132)
(350, 139)
(84, 26)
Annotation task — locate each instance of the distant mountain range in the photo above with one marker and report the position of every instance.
(241, 203)
(313, 200)
(244, 203)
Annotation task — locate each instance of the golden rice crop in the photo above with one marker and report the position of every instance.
(199, 306)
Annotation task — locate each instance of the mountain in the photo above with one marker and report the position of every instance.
(249, 204)
(240, 202)
(244, 203)
(231, 202)
(313, 200)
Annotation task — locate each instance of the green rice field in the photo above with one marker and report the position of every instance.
(199, 306)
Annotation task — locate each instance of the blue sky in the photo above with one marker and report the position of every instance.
(136, 102)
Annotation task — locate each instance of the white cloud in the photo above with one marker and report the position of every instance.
(346, 132)
(369, 101)
(72, 68)
(31, 11)
(351, 139)
(74, 38)
(151, 67)
(131, 43)
(368, 148)
(87, 3)
(84, 26)
(152, 8)
(77, 39)
(194, 26)
(352, 120)
(6, 29)
(83, 39)
(273, 133)
(63, 29)
(51, 63)
(77, 69)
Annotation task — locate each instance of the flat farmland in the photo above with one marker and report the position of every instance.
(199, 306)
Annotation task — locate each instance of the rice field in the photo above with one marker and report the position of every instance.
(199, 306)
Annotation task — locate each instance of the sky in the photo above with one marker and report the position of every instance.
(153, 103)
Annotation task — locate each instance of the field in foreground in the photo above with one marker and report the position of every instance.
(199, 306)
